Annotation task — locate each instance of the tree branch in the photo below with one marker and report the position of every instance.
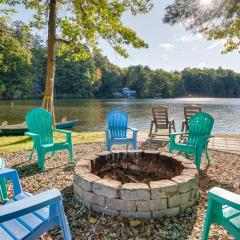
(63, 41)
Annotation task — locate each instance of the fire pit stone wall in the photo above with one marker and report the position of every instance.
(156, 199)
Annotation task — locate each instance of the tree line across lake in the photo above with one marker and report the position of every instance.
(23, 59)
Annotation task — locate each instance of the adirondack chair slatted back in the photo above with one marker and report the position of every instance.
(160, 116)
(189, 111)
(39, 121)
(200, 124)
(117, 123)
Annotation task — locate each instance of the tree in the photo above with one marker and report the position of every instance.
(15, 60)
(80, 25)
(216, 19)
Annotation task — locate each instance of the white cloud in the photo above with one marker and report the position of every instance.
(202, 65)
(164, 57)
(188, 38)
(168, 47)
(216, 44)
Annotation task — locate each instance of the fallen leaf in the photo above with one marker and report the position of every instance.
(134, 223)
(92, 220)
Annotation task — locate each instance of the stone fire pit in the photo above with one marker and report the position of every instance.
(136, 184)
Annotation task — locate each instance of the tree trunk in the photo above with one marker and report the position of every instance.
(51, 62)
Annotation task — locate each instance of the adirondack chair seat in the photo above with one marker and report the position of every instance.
(224, 210)
(55, 146)
(28, 216)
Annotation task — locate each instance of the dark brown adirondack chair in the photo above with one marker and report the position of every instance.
(189, 111)
(161, 121)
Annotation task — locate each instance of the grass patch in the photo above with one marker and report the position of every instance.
(222, 135)
(23, 143)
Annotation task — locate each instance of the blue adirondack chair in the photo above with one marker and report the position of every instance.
(116, 133)
(224, 210)
(39, 122)
(200, 127)
(28, 217)
(3, 189)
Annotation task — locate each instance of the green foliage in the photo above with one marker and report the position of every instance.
(23, 66)
(216, 19)
(82, 24)
(15, 61)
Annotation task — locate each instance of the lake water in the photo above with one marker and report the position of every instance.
(92, 112)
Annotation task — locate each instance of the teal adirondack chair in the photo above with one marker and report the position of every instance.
(200, 127)
(3, 188)
(39, 122)
(224, 210)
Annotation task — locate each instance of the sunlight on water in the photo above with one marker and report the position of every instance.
(92, 113)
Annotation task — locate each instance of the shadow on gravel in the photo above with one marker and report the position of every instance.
(30, 168)
(153, 144)
(206, 182)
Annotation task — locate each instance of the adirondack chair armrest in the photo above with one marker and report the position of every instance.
(179, 133)
(12, 175)
(106, 129)
(204, 139)
(183, 124)
(30, 134)
(107, 132)
(28, 205)
(225, 197)
(63, 131)
(133, 129)
(34, 136)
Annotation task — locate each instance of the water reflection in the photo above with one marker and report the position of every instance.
(92, 113)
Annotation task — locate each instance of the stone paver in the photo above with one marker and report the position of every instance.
(227, 144)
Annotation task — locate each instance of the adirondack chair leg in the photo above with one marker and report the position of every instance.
(70, 153)
(31, 154)
(3, 184)
(40, 160)
(108, 146)
(151, 128)
(173, 124)
(63, 222)
(183, 125)
(3, 191)
(198, 157)
(207, 156)
(187, 155)
(208, 220)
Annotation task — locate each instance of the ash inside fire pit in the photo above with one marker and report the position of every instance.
(127, 168)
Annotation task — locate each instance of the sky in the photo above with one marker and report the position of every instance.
(170, 47)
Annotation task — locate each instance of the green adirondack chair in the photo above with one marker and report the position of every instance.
(200, 127)
(3, 188)
(224, 210)
(39, 122)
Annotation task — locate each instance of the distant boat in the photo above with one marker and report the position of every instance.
(20, 129)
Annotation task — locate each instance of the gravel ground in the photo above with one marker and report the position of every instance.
(224, 172)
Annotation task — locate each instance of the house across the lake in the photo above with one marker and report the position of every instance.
(126, 93)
